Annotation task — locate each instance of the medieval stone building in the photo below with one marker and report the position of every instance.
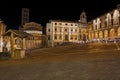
(59, 31)
(105, 27)
(35, 30)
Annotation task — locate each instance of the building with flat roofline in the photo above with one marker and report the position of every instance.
(61, 31)
(105, 27)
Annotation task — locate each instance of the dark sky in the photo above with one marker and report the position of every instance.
(41, 11)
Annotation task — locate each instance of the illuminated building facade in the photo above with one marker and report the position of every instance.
(106, 26)
(2, 31)
(59, 31)
(35, 30)
(26, 38)
(15, 41)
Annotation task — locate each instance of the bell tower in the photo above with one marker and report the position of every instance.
(83, 17)
(25, 16)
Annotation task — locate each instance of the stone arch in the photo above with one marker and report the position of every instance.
(96, 35)
(90, 27)
(108, 19)
(94, 24)
(116, 17)
(92, 35)
(106, 34)
(118, 32)
(100, 34)
(112, 33)
(89, 36)
(98, 23)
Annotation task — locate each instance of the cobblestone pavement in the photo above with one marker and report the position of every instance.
(95, 64)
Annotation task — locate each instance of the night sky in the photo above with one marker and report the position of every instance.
(43, 11)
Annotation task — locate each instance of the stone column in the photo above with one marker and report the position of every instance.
(12, 44)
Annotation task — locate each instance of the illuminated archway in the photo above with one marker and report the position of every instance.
(118, 32)
(98, 23)
(89, 35)
(112, 33)
(116, 17)
(106, 34)
(92, 35)
(96, 35)
(100, 34)
(108, 19)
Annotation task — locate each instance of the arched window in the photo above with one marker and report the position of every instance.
(118, 33)
(111, 19)
(112, 33)
(96, 35)
(108, 19)
(98, 23)
(116, 17)
(106, 34)
(94, 24)
(100, 34)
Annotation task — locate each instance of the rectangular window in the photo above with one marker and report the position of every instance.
(55, 37)
(66, 24)
(55, 29)
(60, 29)
(71, 37)
(66, 38)
(55, 23)
(60, 23)
(75, 37)
(60, 37)
(48, 30)
(75, 30)
(65, 30)
(71, 30)
(75, 24)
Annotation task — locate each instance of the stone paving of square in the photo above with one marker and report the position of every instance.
(73, 62)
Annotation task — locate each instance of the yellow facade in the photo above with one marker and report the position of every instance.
(105, 27)
(2, 31)
(60, 32)
(35, 30)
